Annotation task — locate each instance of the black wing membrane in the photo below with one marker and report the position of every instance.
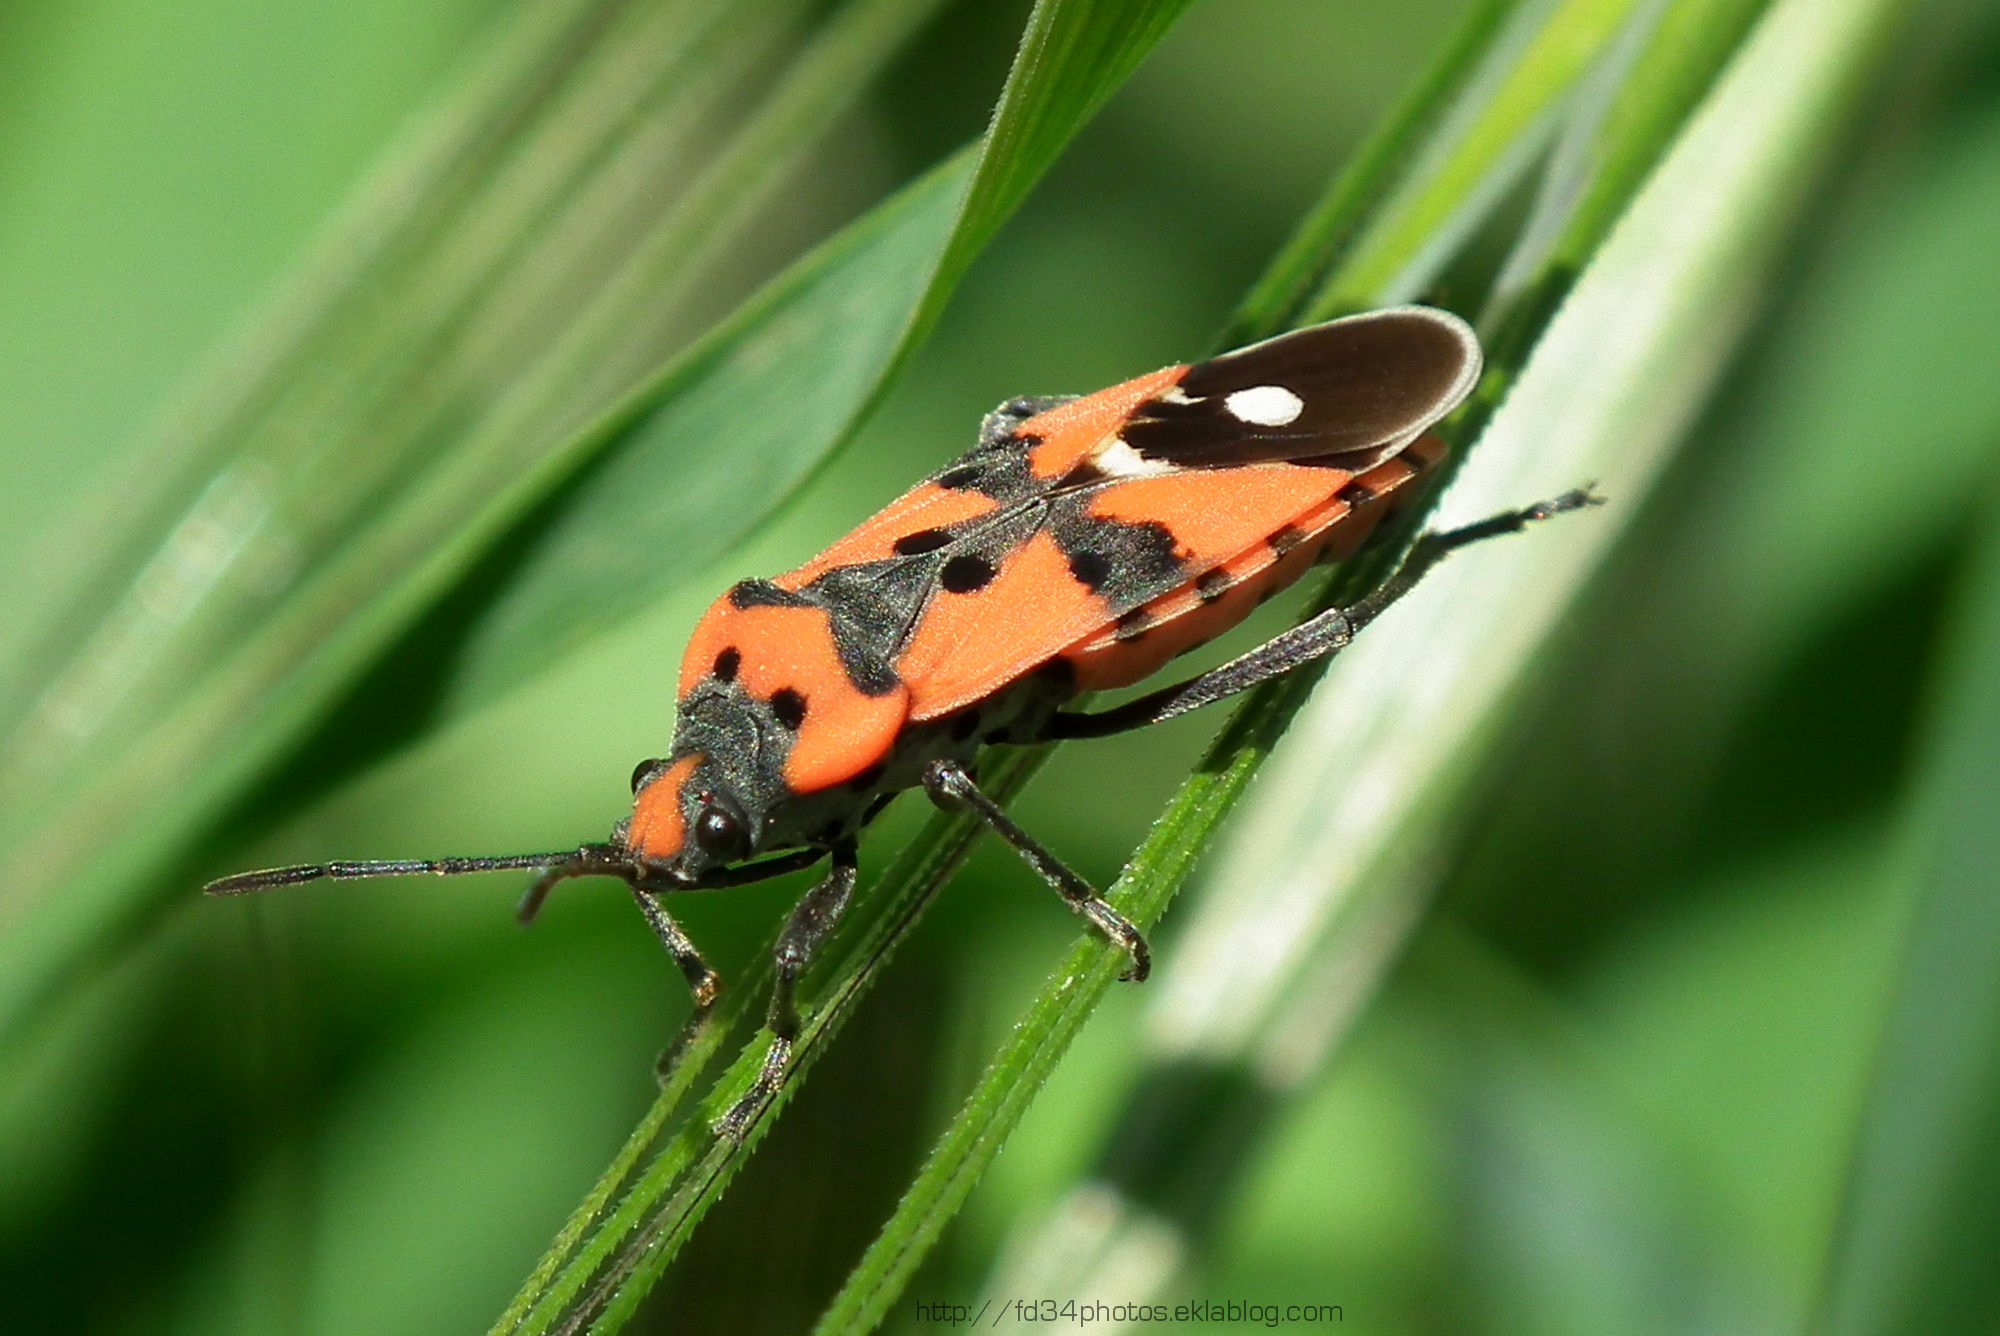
(1348, 392)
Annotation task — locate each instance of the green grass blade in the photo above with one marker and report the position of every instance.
(728, 443)
(1074, 54)
(1323, 238)
(679, 473)
(1508, 110)
(593, 1278)
(1686, 46)
(404, 209)
(1913, 1251)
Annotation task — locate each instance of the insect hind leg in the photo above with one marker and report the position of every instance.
(950, 785)
(1319, 637)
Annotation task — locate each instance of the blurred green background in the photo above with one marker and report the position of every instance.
(1617, 1084)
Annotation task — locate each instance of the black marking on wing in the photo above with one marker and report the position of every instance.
(1284, 538)
(875, 606)
(746, 594)
(871, 606)
(1000, 471)
(1124, 564)
(966, 573)
(1367, 385)
(922, 541)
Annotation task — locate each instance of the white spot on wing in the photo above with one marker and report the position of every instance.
(1265, 406)
(1115, 459)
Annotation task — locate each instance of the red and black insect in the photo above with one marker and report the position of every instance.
(1079, 546)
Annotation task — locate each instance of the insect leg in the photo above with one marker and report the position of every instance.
(1318, 638)
(949, 785)
(812, 921)
(702, 981)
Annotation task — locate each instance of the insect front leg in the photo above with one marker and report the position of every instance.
(812, 922)
(949, 785)
(703, 983)
(1317, 638)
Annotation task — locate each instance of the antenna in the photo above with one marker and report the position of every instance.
(243, 883)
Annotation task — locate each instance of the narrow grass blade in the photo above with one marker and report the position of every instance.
(1327, 232)
(729, 445)
(1074, 54)
(593, 1280)
(1506, 115)
(1685, 47)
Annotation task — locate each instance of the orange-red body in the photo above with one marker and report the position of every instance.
(1055, 558)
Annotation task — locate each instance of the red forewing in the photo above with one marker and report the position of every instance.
(1092, 509)
(1105, 551)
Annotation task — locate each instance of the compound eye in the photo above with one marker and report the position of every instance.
(721, 835)
(645, 771)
